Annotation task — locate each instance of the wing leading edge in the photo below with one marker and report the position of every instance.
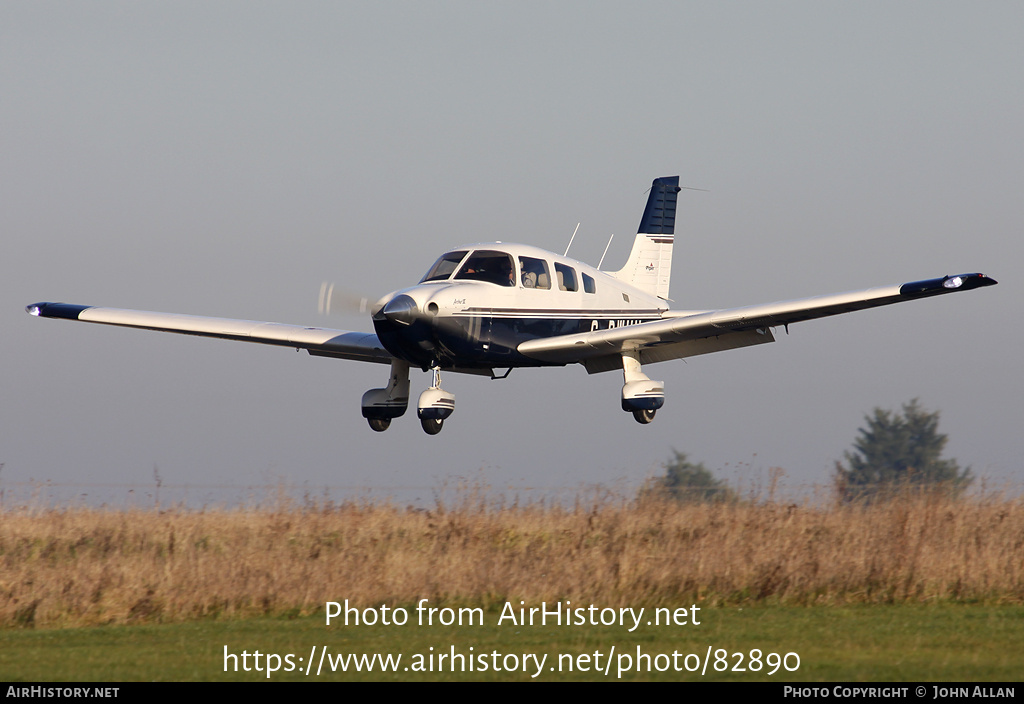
(686, 335)
(322, 342)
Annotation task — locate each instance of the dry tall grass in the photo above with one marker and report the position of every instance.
(83, 566)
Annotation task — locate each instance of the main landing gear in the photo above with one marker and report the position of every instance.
(644, 417)
(381, 406)
(640, 395)
(379, 424)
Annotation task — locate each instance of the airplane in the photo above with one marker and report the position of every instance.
(498, 306)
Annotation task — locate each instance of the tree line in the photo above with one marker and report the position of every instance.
(894, 452)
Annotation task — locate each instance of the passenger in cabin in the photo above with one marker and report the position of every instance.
(485, 265)
(534, 272)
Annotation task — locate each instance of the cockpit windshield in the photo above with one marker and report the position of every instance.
(444, 266)
(489, 265)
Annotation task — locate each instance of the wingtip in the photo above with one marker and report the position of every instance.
(946, 284)
(68, 311)
(969, 281)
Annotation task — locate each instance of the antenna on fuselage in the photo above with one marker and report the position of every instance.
(571, 239)
(606, 250)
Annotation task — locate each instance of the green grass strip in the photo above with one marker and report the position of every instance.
(863, 643)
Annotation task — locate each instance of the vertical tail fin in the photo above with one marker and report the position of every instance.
(649, 266)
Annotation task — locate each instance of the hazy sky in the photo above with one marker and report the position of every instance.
(224, 158)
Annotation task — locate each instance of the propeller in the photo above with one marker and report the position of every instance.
(335, 299)
(401, 310)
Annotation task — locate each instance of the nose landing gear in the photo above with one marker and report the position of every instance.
(435, 405)
(431, 426)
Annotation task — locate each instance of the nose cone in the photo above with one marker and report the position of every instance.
(400, 310)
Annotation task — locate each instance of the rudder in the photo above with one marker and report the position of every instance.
(649, 266)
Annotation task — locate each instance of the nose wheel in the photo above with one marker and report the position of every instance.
(432, 426)
(435, 405)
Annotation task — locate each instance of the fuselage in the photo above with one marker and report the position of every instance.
(479, 302)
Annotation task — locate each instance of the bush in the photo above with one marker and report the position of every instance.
(897, 452)
(687, 482)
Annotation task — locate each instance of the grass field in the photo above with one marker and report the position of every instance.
(83, 567)
(845, 644)
(919, 588)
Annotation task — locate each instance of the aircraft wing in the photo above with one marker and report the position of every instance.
(322, 342)
(687, 335)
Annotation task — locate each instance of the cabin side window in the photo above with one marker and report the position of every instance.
(444, 266)
(535, 273)
(488, 265)
(589, 285)
(566, 276)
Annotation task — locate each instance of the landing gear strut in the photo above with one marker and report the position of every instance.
(640, 395)
(435, 404)
(380, 406)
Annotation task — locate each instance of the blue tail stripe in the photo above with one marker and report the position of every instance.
(660, 214)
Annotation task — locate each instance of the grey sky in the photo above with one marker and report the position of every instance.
(225, 158)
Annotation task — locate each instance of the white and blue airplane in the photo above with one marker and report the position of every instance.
(498, 306)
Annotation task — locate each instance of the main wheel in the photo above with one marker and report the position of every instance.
(644, 417)
(431, 426)
(379, 424)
